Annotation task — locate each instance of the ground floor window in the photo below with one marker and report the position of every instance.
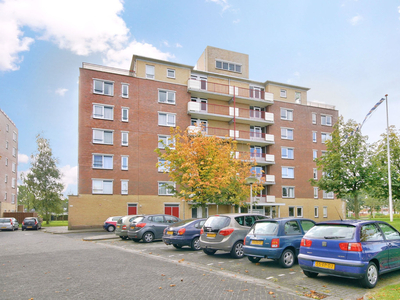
(197, 212)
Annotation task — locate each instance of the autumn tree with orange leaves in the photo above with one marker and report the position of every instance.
(205, 169)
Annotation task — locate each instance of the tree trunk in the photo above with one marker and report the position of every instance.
(356, 207)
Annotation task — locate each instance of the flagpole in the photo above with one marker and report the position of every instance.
(388, 155)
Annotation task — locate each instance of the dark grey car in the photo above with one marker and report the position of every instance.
(150, 227)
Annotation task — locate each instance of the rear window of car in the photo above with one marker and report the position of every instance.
(217, 222)
(268, 228)
(4, 220)
(116, 218)
(331, 231)
(245, 220)
(137, 219)
(183, 222)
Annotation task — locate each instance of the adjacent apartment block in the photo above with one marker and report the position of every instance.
(8, 164)
(123, 114)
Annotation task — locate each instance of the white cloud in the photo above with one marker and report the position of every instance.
(166, 43)
(223, 3)
(23, 158)
(178, 45)
(69, 176)
(61, 91)
(355, 20)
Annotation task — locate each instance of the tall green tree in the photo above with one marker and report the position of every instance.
(26, 198)
(44, 180)
(346, 164)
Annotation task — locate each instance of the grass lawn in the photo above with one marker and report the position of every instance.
(390, 292)
(55, 223)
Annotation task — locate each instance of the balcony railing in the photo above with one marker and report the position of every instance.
(240, 134)
(258, 157)
(264, 199)
(218, 88)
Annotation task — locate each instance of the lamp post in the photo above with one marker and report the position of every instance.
(251, 180)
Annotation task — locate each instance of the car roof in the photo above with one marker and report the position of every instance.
(285, 219)
(348, 222)
(237, 215)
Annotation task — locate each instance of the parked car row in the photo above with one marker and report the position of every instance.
(345, 248)
(12, 223)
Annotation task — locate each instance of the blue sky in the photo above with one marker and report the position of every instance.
(345, 51)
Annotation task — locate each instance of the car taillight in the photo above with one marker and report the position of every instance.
(23, 223)
(201, 231)
(305, 243)
(354, 247)
(141, 225)
(124, 227)
(226, 232)
(181, 231)
(244, 242)
(165, 229)
(275, 243)
(35, 222)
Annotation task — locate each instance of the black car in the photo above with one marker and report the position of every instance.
(31, 223)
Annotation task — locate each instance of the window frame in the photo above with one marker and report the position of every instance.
(103, 107)
(123, 190)
(150, 71)
(287, 173)
(286, 114)
(316, 192)
(289, 192)
(124, 85)
(102, 186)
(124, 142)
(167, 115)
(167, 141)
(326, 120)
(329, 195)
(283, 93)
(168, 92)
(171, 70)
(325, 211)
(103, 81)
(127, 114)
(289, 150)
(316, 212)
(102, 161)
(123, 166)
(286, 136)
(103, 140)
(167, 193)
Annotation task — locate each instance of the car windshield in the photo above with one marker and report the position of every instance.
(331, 231)
(4, 220)
(217, 222)
(270, 228)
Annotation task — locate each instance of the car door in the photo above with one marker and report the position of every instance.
(292, 235)
(374, 245)
(159, 224)
(392, 237)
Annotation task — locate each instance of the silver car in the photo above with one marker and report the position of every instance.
(226, 232)
(9, 224)
(123, 225)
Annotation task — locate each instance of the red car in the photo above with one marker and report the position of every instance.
(111, 223)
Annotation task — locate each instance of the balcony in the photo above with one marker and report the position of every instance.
(203, 110)
(259, 158)
(264, 199)
(266, 179)
(205, 89)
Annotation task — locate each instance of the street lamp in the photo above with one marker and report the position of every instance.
(251, 180)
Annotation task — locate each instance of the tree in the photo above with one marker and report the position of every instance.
(44, 180)
(205, 169)
(26, 198)
(346, 164)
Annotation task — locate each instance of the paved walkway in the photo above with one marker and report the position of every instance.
(65, 230)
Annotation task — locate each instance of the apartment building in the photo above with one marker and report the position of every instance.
(123, 114)
(8, 164)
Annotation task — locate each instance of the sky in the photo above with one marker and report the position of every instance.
(346, 51)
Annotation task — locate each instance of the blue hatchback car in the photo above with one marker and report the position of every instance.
(184, 233)
(351, 248)
(277, 239)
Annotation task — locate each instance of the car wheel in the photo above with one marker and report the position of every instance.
(371, 276)
(254, 259)
(310, 274)
(287, 259)
(110, 228)
(237, 250)
(177, 246)
(209, 251)
(148, 237)
(195, 245)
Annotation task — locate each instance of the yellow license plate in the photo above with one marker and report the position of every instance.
(324, 265)
(170, 232)
(211, 234)
(3, 227)
(118, 226)
(132, 227)
(256, 242)
(28, 226)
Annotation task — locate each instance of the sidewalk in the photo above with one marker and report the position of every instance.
(64, 230)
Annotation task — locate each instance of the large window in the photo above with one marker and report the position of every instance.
(287, 172)
(287, 192)
(149, 72)
(162, 165)
(166, 119)
(103, 112)
(287, 114)
(164, 188)
(124, 187)
(286, 134)
(101, 136)
(228, 66)
(165, 141)
(325, 137)
(124, 162)
(326, 120)
(103, 87)
(102, 186)
(287, 153)
(102, 161)
(328, 195)
(165, 96)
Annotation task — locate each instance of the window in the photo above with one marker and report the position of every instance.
(13, 167)
(165, 96)
(283, 93)
(287, 192)
(14, 136)
(328, 195)
(124, 138)
(102, 186)
(315, 154)
(165, 141)
(297, 97)
(326, 120)
(228, 66)
(124, 187)
(5, 196)
(292, 227)
(370, 232)
(14, 152)
(124, 162)
(299, 212)
(125, 114)
(7, 127)
(316, 212)
(13, 183)
(102, 161)
(325, 137)
(314, 118)
(256, 92)
(286, 134)
(164, 188)
(103, 87)
(202, 123)
(162, 165)
(12, 198)
(314, 136)
(389, 232)
(287, 172)
(315, 173)
(6, 144)
(124, 90)
(149, 72)
(315, 193)
(170, 73)
(103, 112)
(291, 211)
(166, 119)
(6, 162)
(325, 211)
(287, 153)
(287, 114)
(6, 178)
(101, 136)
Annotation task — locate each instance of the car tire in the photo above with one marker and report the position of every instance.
(177, 246)
(371, 276)
(310, 274)
(209, 251)
(287, 259)
(148, 237)
(237, 250)
(111, 228)
(195, 244)
(254, 259)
